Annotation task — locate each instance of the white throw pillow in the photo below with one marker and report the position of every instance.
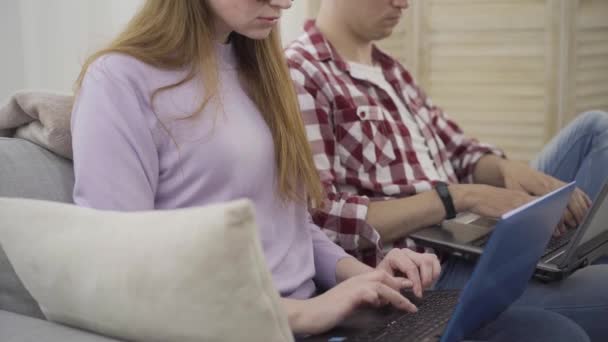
(194, 274)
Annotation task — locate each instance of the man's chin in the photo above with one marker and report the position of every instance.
(382, 34)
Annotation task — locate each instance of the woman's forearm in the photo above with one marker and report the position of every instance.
(296, 315)
(350, 267)
(293, 310)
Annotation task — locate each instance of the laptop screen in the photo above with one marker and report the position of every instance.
(507, 263)
(597, 219)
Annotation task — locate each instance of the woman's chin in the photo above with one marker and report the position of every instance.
(256, 34)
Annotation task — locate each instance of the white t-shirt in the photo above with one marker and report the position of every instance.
(375, 75)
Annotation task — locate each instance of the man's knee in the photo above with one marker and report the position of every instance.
(593, 122)
(593, 279)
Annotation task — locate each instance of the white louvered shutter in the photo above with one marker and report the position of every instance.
(510, 72)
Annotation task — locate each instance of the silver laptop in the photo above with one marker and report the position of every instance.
(467, 234)
(452, 315)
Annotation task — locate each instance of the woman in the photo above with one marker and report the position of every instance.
(191, 105)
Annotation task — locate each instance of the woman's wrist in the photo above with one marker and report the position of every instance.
(349, 267)
(297, 315)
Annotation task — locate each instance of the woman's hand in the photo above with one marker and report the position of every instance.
(360, 286)
(321, 313)
(422, 269)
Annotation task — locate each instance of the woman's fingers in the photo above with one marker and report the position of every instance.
(436, 268)
(400, 261)
(382, 276)
(428, 264)
(394, 298)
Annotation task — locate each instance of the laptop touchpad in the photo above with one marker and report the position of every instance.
(464, 233)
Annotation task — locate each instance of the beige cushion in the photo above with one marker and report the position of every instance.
(193, 274)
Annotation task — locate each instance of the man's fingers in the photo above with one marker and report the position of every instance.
(514, 185)
(569, 218)
(576, 211)
(582, 205)
(560, 229)
(563, 229)
(577, 207)
(587, 200)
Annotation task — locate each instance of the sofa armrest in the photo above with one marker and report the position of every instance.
(18, 328)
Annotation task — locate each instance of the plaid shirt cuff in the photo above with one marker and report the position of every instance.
(344, 222)
(474, 157)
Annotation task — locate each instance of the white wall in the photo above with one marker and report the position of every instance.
(293, 20)
(11, 57)
(45, 42)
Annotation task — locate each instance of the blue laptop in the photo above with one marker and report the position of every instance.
(500, 277)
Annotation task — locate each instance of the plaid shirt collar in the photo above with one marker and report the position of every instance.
(325, 51)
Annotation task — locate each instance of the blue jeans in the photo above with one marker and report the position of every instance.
(582, 297)
(527, 324)
(579, 152)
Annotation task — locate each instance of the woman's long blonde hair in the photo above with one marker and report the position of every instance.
(176, 34)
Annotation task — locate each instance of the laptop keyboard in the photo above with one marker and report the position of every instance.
(558, 242)
(554, 244)
(482, 241)
(434, 312)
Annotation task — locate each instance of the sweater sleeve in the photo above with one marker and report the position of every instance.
(115, 156)
(326, 256)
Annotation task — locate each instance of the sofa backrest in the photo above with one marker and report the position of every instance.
(28, 171)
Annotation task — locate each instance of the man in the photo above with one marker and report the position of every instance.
(380, 145)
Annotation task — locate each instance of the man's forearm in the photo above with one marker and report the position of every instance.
(399, 217)
(488, 171)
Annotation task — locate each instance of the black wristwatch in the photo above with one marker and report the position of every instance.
(446, 199)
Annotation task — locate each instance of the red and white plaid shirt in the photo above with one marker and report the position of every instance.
(361, 145)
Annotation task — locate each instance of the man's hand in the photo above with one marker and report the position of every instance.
(521, 177)
(487, 200)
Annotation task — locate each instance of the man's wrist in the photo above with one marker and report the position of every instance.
(441, 188)
(462, 196)
(489, 169)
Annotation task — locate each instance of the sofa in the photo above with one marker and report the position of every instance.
(30, 171)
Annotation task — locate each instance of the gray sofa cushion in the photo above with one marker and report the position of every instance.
(13, 295)
(28, 171)
(17, 328)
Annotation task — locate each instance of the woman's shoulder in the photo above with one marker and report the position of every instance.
(122, 68)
